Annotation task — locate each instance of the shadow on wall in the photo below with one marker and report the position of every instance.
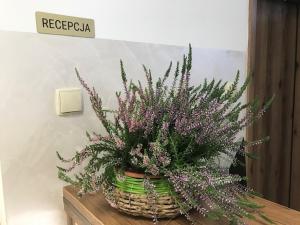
(2, 206)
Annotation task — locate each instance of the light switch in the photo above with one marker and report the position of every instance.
(68, 100)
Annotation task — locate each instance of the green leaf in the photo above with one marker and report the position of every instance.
(251, 155)
(215, 214)
(266, 218)
(123, 73)
(249, 204)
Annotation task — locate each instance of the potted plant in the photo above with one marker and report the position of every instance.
(158, 156)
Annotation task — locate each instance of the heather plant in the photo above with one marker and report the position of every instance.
(176, 132)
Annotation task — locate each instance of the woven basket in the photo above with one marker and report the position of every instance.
(129, 196)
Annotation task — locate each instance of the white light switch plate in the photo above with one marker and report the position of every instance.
(68, 100)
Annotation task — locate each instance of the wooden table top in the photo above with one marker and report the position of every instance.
(96, 211)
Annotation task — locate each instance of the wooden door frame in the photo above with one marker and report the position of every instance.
(251, 53)
(250, 57)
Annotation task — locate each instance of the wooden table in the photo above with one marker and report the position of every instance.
(92, 209)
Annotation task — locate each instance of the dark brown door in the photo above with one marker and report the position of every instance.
(273, 54)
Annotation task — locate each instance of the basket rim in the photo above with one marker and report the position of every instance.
(133, 182)
(134, 174)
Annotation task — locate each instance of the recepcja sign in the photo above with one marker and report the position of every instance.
(48, 23)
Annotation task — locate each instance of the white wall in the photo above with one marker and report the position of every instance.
(32, 67)
(219, 24)
(205, 23)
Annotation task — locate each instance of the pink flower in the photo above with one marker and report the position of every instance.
(119, 143)
(146, 160)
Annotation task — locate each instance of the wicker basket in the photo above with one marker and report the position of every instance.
(129, 196)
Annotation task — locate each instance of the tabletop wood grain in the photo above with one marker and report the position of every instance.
(92, 209)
